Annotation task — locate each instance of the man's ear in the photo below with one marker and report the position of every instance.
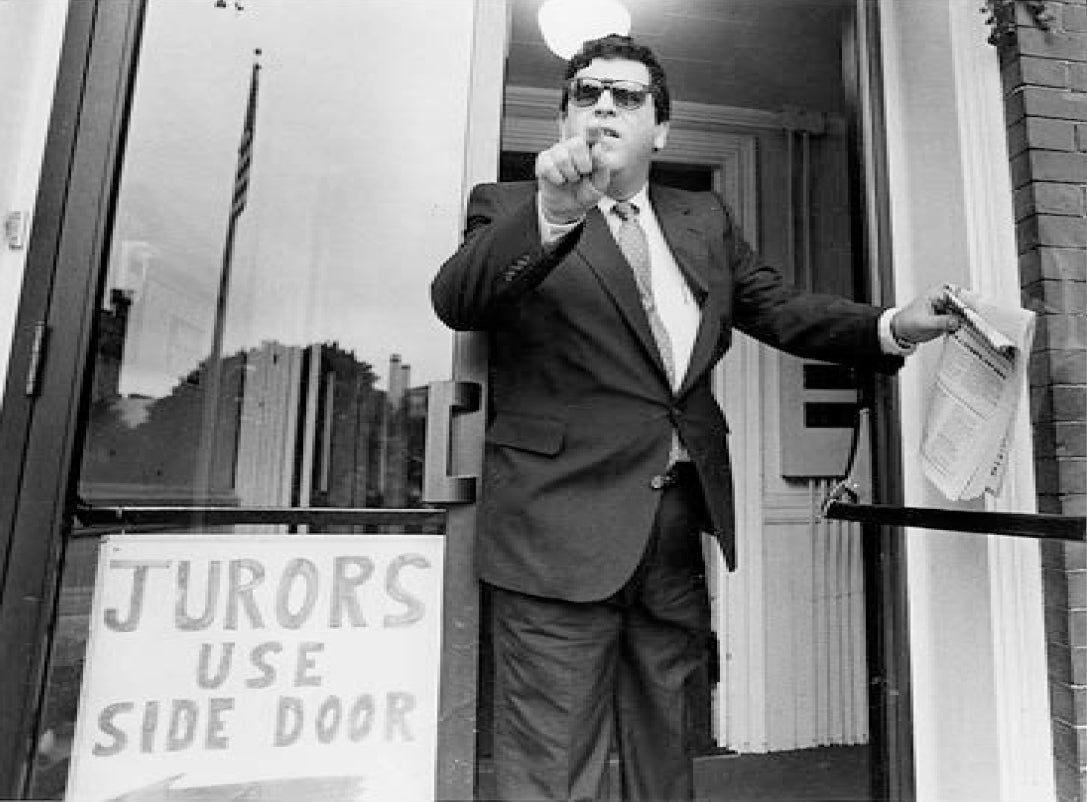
(562, 126)
(661, 136)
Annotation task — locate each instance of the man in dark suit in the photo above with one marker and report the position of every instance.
(607, 302)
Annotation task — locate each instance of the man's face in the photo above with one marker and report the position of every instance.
(628, 137)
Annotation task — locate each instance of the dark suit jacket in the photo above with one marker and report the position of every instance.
(580, 410)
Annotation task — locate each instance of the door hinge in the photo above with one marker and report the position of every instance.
(37, 359)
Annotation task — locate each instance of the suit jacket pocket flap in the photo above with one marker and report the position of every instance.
(542, 435)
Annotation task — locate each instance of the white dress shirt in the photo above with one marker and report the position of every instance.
(673, 299)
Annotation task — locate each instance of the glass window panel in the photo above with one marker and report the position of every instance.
(276, 351)
(266, 336)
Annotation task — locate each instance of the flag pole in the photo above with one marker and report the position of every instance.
(212, 379)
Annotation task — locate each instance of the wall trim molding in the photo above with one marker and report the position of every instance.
(1020, 673)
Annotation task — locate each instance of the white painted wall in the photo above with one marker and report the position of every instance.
(980, 705)
(30, 37)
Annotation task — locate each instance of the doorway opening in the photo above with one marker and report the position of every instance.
(761, 115)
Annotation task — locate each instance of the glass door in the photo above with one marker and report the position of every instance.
(264, 337)
(262, 345)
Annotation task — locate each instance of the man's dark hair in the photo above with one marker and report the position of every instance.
(615, 46)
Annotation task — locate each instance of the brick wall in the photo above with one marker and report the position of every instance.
(1045, 84)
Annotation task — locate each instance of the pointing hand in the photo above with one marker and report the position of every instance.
(572, 176)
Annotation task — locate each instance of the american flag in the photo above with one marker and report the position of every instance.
(245, 149)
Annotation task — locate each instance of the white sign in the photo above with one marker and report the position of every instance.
(305, 665)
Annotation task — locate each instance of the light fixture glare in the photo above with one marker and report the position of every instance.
(566, 24)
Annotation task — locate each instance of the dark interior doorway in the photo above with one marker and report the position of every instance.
(782, 57)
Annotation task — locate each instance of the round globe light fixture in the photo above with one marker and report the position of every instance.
(566, 24)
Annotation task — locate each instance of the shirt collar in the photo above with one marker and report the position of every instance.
(639, 199)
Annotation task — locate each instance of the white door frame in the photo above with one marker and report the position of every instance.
(979, 687)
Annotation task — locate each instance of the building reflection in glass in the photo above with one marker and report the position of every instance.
(296, 426)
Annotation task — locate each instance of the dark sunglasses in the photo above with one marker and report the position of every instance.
(627, 95)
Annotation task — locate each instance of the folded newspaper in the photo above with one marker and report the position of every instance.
(980, 378)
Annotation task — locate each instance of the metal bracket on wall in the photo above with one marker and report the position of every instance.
(15, 227)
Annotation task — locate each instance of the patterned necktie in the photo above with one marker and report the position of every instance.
(635, 247)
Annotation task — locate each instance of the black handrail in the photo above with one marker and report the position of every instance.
(1017, 524)
(1072, 528)
(140, 515)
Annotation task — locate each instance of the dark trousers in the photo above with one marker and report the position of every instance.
(571, 677)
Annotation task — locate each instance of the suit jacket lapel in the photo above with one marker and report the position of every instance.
(686, 239)
(679, 222)
(598, 248)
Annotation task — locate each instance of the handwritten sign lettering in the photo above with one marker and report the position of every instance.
(242, 660)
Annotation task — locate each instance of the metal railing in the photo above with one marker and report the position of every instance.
(1071, 528)
(139, 515)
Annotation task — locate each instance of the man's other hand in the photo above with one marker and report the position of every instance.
(925, 318)
(572, 176)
